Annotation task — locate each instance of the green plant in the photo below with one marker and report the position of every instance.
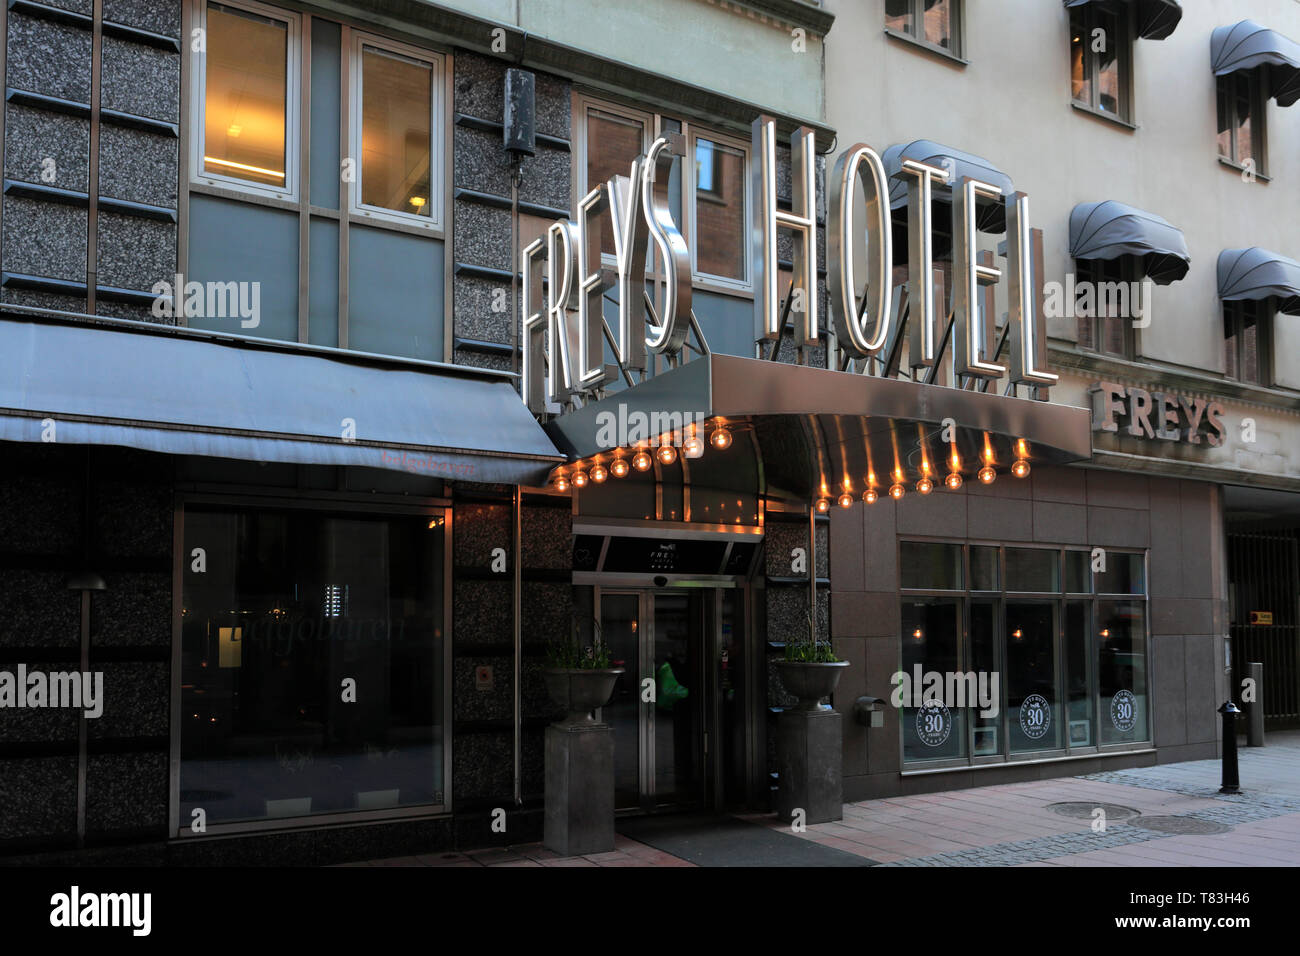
(808, 650)
(571, 654)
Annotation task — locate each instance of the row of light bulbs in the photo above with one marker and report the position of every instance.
(924, 485)
(621, 466)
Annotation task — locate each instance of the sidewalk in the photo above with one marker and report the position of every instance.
(1169, 815)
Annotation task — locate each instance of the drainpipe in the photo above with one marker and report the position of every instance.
(519, 644)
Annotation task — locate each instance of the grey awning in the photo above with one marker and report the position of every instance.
(1256, 273)
(810, 428)
(185, 394)
(992, 216)
(1110, 229)
(1156, 19)
(1247, 45)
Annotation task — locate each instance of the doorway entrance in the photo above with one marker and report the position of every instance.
(678, 712)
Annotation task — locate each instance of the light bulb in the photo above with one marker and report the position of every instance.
(987, 474)
(846, 500)
(667, 454)
(897, 491)
(953, 481)
(618, 467)
(721, 438)
(925, 485)
(579, 479)
(561, 483)
(641, 461)
(823, 505)
(870, 496)
(1021, 468)
(693, 447)
(599, 474)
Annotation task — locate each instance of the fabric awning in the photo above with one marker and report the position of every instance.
(1110, 229)
(1247, 45)
(1156, 19)
(1256, 273)
(187, 394)
(992, 215)
(811, 428)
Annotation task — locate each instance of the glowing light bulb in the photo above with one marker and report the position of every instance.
(823, 505)
(846, 500)
(618, 467)
(896, 491)
(693, 447)
(579, 479)
(953, 481)
(987, 474)
(721, 438)
(925, 485)
(561, 483)
(666, 454)
(599, 474)
(641, 461)
(870, 496)
(1021, 468)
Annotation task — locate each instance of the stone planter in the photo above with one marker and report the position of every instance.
(810, 682)
(580, 691)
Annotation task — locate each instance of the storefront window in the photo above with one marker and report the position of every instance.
(311, 664)
(1050, 663)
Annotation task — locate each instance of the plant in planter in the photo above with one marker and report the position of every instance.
(579, 679)
(810, 669)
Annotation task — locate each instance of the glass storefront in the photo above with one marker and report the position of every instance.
(312, 663)
(1020, 652)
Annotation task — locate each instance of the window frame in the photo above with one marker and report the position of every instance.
(1061, 598)
(652, 125)
(1129, 273)
(1228, 85)
(1127, 113)
(293, 102)
(363, 212)
(957, 30)
(1234, 311)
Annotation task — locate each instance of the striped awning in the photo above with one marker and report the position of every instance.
(1110, 229)
(1248, 46)
(1256, 273)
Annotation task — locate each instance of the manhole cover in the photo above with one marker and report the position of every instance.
(1181, 825)
(1084, 811)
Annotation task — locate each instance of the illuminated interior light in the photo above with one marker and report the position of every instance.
(244, 166)
(918, 634)
(1017, 633)
(619, 467)
(418, 201)
(642, 461)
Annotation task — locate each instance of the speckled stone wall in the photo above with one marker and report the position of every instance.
(44, 243)
(109, 510)
(481, 243)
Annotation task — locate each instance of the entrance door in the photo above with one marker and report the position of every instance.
(677, 712)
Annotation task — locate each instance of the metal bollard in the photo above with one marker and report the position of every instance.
(1231, 782)
(1255, 712)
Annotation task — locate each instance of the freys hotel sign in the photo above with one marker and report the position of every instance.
(563, 324)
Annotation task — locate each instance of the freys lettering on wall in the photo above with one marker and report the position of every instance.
(1129, 410)
(563, 325)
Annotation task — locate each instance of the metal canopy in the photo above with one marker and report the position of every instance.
(181, 394)
(1156, 19)
(1247, 45)
(811, 429)
(1110, 229)
(1256, 273)
(992, 215)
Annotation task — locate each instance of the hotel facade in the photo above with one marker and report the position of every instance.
(355, 352)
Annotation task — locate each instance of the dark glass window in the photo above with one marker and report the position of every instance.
(1033, 708)
(1100, 54)
(931, 567)
(984, 569)
(1124, 574)
(1122, 671)
(1032, 569)
(311, 664)
(1078, 572)
(932, 639)
(1107, 299)
(1240, 101)
(1246, 356)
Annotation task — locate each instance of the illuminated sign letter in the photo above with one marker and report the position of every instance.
(534, 327)
(1028, 324)
(923, 338)
(802, 220)
(561, 266)
(972, 329)
(592, 283)
(675, 320)
(851, 325)
(630, 235)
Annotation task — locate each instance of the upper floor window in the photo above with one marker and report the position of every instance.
(1100, 58)
(936, 23)
(396, 97)
(714, 187)
(1105, 306)
(1241, 119)
(246, 89)
(1246, 347)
